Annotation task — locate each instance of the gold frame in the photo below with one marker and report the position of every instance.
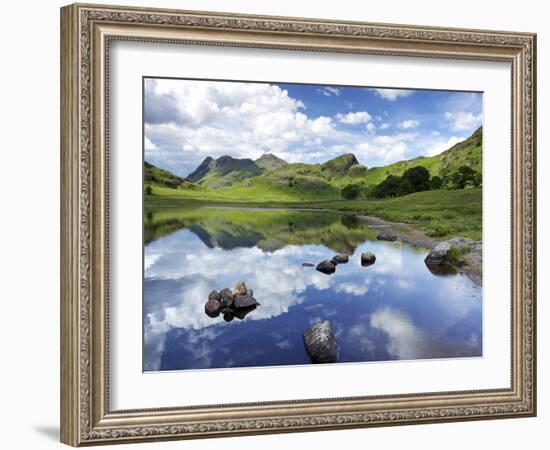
(86, 31)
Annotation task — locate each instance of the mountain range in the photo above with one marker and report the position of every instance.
(283, 180)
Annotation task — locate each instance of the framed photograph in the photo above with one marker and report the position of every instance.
(278, 224)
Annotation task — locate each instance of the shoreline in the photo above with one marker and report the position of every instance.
(403, 231)
(412, 236)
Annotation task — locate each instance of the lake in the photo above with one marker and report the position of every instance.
(395, 309)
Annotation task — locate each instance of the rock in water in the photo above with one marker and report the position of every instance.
(321, 344)
(383, 236)
(326, 266)
(215, 295)
(240, 288)
(250, 292)
(306, 264)
(227, 298)
(242, 312)
(244, 301)
(212, 308)
(367, 259)
(340, 259)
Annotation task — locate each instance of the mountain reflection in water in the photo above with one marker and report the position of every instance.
(394, 309)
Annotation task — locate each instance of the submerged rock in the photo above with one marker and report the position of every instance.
(212, 308)
(367, 259)
(327, 267)
(385, 236)
(215, 295)
(306, 264)
(320, 343)
(340, 259)
(244, 301)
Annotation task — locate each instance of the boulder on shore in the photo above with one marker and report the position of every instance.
(326, 266)
(340, 259)
(367, 259)
(439, 255)
(320, 343)
(212, 308)
(385, 236)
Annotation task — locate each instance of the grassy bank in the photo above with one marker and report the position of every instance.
(441, 213)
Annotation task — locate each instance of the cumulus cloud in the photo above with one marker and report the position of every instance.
(407, 124)
(384, 126)
(190, 120)
(392, 94)
(354, 118)
(463, 121)
(444, 145)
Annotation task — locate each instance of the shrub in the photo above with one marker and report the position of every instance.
(148, 190)
(351, 191)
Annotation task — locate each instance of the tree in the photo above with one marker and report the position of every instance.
(436, 182)
(351, 191)
(148, 190)
(405, 187)
(465, 175)
(388, 188)
(418, 177)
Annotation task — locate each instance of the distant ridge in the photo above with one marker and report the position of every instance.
(268, 161)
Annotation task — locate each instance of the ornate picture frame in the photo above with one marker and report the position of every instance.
(86, 34)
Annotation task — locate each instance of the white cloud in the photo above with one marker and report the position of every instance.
(407, 124)
(384, 126)
(406, 341)
(329, 91)
(384, 149)
(189, 120)
(149, 146)
(463, 121)
(392, 94)
(445, 145)
(354, 118)
(371, 128)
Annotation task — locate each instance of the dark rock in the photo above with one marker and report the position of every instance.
(320, 343)
(250, 292)
(225, 311)
(327, 267)
(215, 295)
(227, 298)
(367, 259)
(243, 312)
(340, 259)
(212, 308)
(244, 301)
(228, 316)
(306, 264)
(384, 236)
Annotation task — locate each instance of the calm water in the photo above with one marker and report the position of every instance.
(394, 309)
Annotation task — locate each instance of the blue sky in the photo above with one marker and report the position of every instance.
(188, 120)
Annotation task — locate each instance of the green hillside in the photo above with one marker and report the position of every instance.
(465, 153)
(271, 179)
